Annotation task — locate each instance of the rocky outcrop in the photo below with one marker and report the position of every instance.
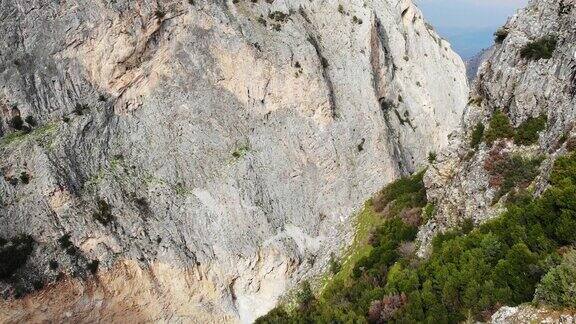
(529, 314)
(201, 157)
(523, 88)
(473, 63)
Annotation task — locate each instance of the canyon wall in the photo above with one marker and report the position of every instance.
(194, 160)
(460, 183)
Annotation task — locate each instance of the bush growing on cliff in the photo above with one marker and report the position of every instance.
(432, 157)
(13, 254)
(500, 35)
(30, 121)
(477, 135)
(24, 177)
(525, 134)
(17, 123)
(92, 266)
(104, 213)
(528, 132)
(507, 172)
(558, 287)
(335, 266)
(541, 48)
(498, 128)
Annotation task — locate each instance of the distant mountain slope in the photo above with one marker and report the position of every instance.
(468, 42)
(473, 63)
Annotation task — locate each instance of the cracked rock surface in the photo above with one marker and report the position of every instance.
(194, 160)
(458, 183)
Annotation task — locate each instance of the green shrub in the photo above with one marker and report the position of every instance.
(558, 287)
(564, 170)
(500, 35)
(407, 192)
(357, 20)
(477, 135)
(104, 213)
(241, 151)
(93, 266)
(508, 172)
(278, 16)
(571, 144)
(17, 123)
(519, 172)
(499, 128)
(335, 266)
(159, 14)
(305, 296)
(541, 48)
(31, 121)
(67, 245)
(64, 241)
(53, 264)
(429, 211)
(275, 316)
(432, 157)
(527, 133)
(14, 253)
(262, 21)
(79, 109)
(24, 178)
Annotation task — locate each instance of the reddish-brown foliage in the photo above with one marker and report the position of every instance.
(384, 310)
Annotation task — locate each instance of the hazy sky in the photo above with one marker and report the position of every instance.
(468, 24)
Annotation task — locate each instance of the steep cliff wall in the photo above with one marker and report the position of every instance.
(510, 170)
(523, 87)
(200, 157)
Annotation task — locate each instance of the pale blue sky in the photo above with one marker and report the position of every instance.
(468, 24)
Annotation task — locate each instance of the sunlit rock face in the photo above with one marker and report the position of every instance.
(208, 154)
(459, 183)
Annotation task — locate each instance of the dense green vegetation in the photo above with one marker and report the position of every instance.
(527, 133)
(470, 272)
(499, 127)
(541, 48)
(557, 287)
(510, 171)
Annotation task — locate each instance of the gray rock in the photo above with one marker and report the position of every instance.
(209, 154)
(522, 88)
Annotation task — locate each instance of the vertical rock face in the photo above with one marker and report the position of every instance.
(522, 88)
(203, 156)
(473, 64)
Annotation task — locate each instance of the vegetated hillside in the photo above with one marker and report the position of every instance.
(525, 254)
(193, 160)
(473, 63)
(496, 227)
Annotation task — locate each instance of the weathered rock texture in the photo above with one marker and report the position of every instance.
(459, 183)
(208, 154)
(529, 314)
(473, 64)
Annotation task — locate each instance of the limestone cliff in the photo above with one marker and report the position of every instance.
(192, 160)
(523, 86)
